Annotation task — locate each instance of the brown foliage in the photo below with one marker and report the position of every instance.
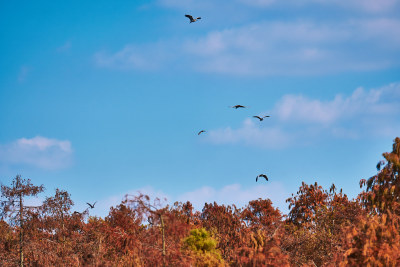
(323, 228)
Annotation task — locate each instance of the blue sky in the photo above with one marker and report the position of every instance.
(103, 99)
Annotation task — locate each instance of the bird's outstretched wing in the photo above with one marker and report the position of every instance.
(263, 176)
(258, 118)
(237, 106)
(190, 17)
(202, 131)
(90, 205)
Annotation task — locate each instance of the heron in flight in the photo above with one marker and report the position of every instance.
(260, 118)
(91, 205)
(262, 176)
(192, 19)
(237, 106)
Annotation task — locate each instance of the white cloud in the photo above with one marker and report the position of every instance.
(366, 5)
(271, 48)
(298, 119)
(251, 134)
(375, 102)
(39, 152)
(299, 47)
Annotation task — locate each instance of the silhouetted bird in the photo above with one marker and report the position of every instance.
(260, 118)
(192, 19)
(238, 106)
(202, 131)
(261, 175)
(91, 205)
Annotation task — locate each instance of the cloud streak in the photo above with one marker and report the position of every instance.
(40, 152)
(301, 47)
(303, 120)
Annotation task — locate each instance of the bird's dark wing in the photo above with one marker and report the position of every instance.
(202, 131)
(257, 117)
(198, 17)
(238, 106)
(266, 116)
(94, 204)
(190, 17)
(257, 178)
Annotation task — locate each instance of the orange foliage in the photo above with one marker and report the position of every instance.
(322, 228)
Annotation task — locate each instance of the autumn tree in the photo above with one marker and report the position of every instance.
(224, 222)
(13, 209)
(382, 192)
(315, 224)
(260, 245)
(375, 239)
(60, 229)
(165, 227)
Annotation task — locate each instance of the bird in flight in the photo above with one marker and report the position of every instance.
(191, 18)
(262, 176)
(91, 205)
(237, 106)
(260, 118)
(202, 131)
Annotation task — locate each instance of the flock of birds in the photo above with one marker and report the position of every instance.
(260, 118)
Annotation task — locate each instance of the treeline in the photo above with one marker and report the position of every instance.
(323, 228)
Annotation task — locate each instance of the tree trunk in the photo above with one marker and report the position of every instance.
(163, 239)
(21, 234)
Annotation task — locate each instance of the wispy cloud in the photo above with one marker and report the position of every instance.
(65, 47)
(140, 57)
(370, 6)
(299, 119)
(40, 152)
(361, 103)
(301, 47)
(251, 134)
(23, 73)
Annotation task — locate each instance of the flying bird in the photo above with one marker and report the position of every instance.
(191, 18)
(202, 131)
(260, 118)
(261, 175)
(91, 205)
(237, 106)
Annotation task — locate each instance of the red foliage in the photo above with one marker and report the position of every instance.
(323, 228)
